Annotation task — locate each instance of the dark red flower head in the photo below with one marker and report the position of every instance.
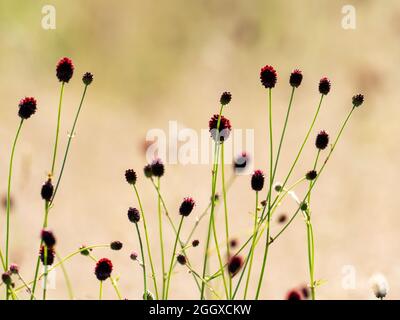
(195, 243)
(6, 278)
(296, 77)
(103, 269)
(268, 77)
(87, 78)
(324, 86)
(181, 259)
(358, 100)
(48, 238)
(130, 176)
(64, 69)
(50, 255)
(14, 269)
(322, 140)
(27, 107)
(293, 295)
(47, 190)
(257, 180)
(116, 245)
(157, 168)
(226, 97)
(311, 175)
(235, 263)
(147, 171)
(219, 133)
(186, 206)
(133, 215)
(241, 162)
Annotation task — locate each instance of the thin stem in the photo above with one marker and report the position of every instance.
(67, 279)
(146, 234)
(251, 253)
(143, 261)
(160, 230)
(173, 258)
(45, 250)
(57, 130)
(114, 284)
(5, 265)
(225, 212)
(101, 291)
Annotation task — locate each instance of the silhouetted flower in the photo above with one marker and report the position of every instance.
(147, 171)
(181, 259)
(14, 269)
(296, 77)
(27, 107)
(133, 215)
(50, 255)
(195, 243)
(157, 168)
(186, 206)
(48, 238)
(358, 100)
(47, 190)
(225, 98)
(322, 140)
(130, 176)
(311, 175)
(257, 180)
(103, 269)
(134, 256)
(222, 134)
(65, 70)
(235, 263)
(116, 245)
(303, 206)
(87, 78)
(6, 278)
(268, 77)
(324, 86)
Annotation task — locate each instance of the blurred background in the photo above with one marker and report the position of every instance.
(160, 61)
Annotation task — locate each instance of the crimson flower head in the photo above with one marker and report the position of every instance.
(293, 295)
(47, 190)
(324, 86)
(133, 215)
(48, 238)
(64, 69)
(50, 255)
(322, 140)
(181, 259)
(268, 77)
(157, 168)
(186, 206)
(27, 107)
(296, 77)
(103, 269)
(116, 245)
(257, 180)
(224, 129)
(235, 263)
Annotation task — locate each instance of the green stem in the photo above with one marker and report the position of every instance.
(101, 291)
(67, 279)
(160, 230)
(45, 249)
(5, 265)
(146, 234)
(57, 130)
(143, 261)
(173, 258)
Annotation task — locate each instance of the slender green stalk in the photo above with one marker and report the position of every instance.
(143, 261)
(114, 284)
(57, 130)
(5, 265)
(269, 197)
(67, 279)
(71, 135)
(146, 234)
(160, 232)
(252, 248)
(173, 259)
(226, 213)
(203, 281)
(101, 291)
(24, 283)
(45, 253)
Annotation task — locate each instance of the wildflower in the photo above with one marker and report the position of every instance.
(64, 70)
(181, 259)
(241, 162)
(322, 140)
(6, 278)
(157, 168)
(235, 263)
(358, 100)
(296, 77)
(225, 98)
(324, 86)
(268, 77)
(224, 128)
(311, 175)
(85, 251)
(48, 238)
(133, 215)
(379, 285)
(50, 255)
(233, 243)
(147, 171)
(134, 256)
(103, 269)
(293, 295)
(186, 206)
(87, 78)
(116, 245)
(130, 176)
(47, 190)
(257, 180)
(195, 243)
(14, 269)
(27, 107)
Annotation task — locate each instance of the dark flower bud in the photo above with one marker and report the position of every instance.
(324, 86)
(311, 175)
(85, 251)
(233, 243)
(235, 263)
(133, 215)
(257, 180)
(195, 243)
(48, 238)
(87, 78)
(103, 269)
(268, 77)
(358, 100)
(50, 255)
(47, 190)
(134, 256)
(130, 176)
(322, 140)
(27, 107)
(147, 171)
(293, 295)
(181, 259)
(282, 218)
(219, 133)
(296, 77)
(6, 278)
(14, 269)
(64, 70)
(116, 245)
(157, 168)
(303, 206)
(186, 206)
(278, 187)
(225, 98)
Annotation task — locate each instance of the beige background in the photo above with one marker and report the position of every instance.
(156, 61)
